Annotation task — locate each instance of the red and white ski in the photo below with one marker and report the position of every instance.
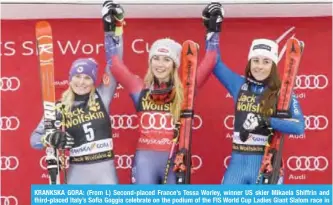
(44, 42)
(183, 162)
(294, 51)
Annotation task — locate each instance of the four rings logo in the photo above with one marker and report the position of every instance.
(8, 200)
(312, 122)
(124, 122)
(126, 161)
(9, 123)
(9, 83)
(43, 163)
(8, 163)
(154, 121)
(157, 121)
(311, 82)
(307, 163)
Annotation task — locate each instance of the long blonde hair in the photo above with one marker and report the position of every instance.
(176, 104)
(67, 98)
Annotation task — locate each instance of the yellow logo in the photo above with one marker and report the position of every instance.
(94, 107)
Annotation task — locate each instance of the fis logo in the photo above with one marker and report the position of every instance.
(217, 200)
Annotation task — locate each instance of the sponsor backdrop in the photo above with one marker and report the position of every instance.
(307, 157)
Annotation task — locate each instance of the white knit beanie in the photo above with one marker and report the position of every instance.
(167, 47)
(264, 47)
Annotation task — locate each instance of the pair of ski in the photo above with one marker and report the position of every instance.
(183, 129)
(44, 42)
(274, 147)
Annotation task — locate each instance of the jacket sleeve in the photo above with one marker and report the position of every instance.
(36, 136)
(121, 73)
(209, 61)
(295, 124)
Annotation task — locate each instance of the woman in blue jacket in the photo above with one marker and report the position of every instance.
(255, 97)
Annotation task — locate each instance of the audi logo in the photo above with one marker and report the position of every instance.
(8, 163)
(8, 200)
(226, 161)
(156, 121)
(319, 122)
(311, 82)
(43, 163)
(312, 122)
(124, 122)
(9, 123)
(307, 163)
(123, 161)
(126, 161)
(9, 83)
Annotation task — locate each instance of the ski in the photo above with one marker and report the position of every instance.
(183, 162)
(294, 51)
(46, 64)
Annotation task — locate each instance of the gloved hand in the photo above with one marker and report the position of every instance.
(113, 16)
(212, 16)
(251, 123)
(59, 140)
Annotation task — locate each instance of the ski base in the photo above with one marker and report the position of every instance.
(294, 53)
(44, 42)
(183, 160)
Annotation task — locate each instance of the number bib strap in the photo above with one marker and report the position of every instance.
(92, 151)
(92, 158)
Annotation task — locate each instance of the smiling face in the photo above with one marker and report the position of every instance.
(82, 84)
(162, 66)
(261, 67)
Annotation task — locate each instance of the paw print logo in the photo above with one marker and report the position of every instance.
(95, 107)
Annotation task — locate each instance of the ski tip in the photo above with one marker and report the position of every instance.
(191, 44)
(42, 24)
(295, 45)
(43, 28)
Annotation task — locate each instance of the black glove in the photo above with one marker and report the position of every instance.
(59, 140)
(251, 123)
(212, 16)
(113, 15)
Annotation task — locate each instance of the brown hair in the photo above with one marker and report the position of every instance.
(268, 100)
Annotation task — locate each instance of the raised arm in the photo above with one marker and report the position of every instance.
(109, 84)
(213, 15)
(209, 61)
(113, 17)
